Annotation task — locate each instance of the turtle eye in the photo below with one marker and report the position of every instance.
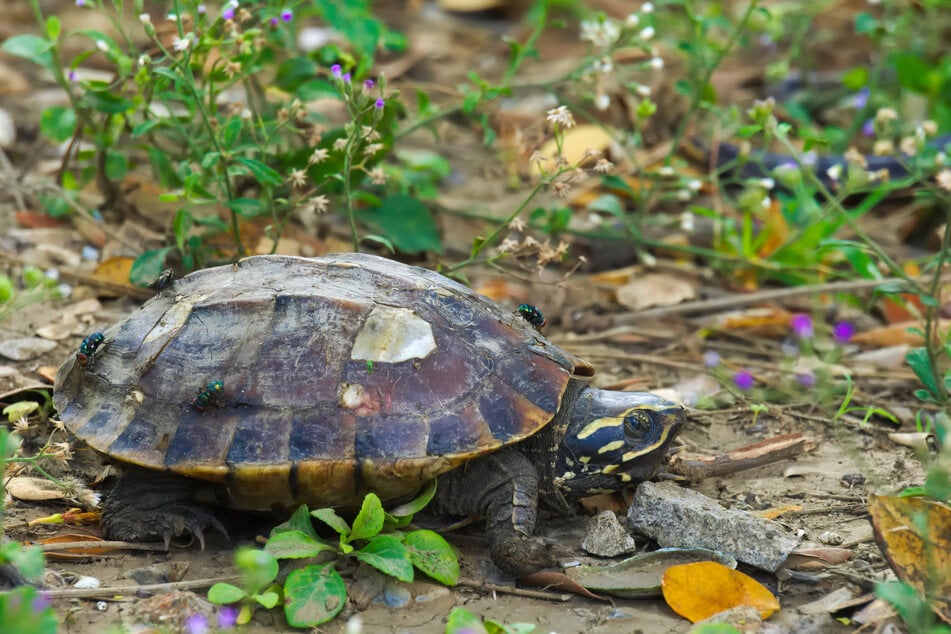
(638, 427)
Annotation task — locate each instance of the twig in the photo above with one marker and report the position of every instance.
(121, 591)
(100, 545)
(521, 592)
(771, 295)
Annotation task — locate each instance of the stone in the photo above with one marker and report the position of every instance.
(605, 537)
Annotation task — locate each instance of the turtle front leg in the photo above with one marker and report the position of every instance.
(503, 488)
(150, 505)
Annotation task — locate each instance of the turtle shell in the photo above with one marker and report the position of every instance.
(341, 375)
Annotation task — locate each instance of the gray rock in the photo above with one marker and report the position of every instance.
(605, 537)
(25, 348)
(675, 517)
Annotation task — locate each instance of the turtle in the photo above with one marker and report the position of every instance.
(342, 375)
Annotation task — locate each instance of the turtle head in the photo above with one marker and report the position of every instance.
(614, 440)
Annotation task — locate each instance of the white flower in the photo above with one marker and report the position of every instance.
(943, 178)
(144, 60)
(766, 202)
(657, 63)
(684, 195)
(602, 101)
(767, 183)
(643, 91)
(694, 185)
(298, 178)
(377, 176)
(601, 33)
(603, 166)
(320, 203)
(687, 222)
(182, 43)
(102, 45)
(834, 172)
(666, 170)
(647, 7)
(318, 156)
(144, 18)
(561, 116)
(632, 20)
(647, 33)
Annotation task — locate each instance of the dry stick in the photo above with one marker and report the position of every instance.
(734, 301)
(99, 545)
(521, 592)
(117, 591)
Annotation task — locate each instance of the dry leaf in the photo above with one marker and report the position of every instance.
(115, 270)
(34, 489)
(72, 554)
(914, 533)
(817, 558)
(577, 141)
(657, 289)
(559, 581)
(698, 591)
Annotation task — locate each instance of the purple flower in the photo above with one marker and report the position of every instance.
(335, 70)
(202, 9)
(744, 380)
(227, 617)
(80, 3)
(806, 379)
(72, 76)
(711, 358)
(861, 98)
(379, 103)
(346, 78)
(40, 602)
(868, 128)
(196, 624)
(843, 331)
(368, 84)
(228, 13)
(287, 15)
(801, 324)
(273, 21)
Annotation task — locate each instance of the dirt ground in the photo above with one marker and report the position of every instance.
(662, 354)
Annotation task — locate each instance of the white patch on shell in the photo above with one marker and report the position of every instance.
(351, 396)
(173, 319)
(391, 335)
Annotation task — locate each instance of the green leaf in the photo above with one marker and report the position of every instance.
(230, 132)
(245, 207)
(920, 363)
(24, 609)
(6, 289)
(296, 545)
(117, 165)
(855, 78)
(261, 172)
(369, 521)
(331, 519)
(266, 599)
(407, 510)
(225, 593)
(865, 23)
(53, 27)
(388, 555)
(30, 562)
(32, 47)
(313, 595)
(148, 266)
(433, 556)
(406, 222)
(58, 123)
(181, 226)
(20, 409)
(258, 568)
(299, 521)
(462, 621)
(162, 169)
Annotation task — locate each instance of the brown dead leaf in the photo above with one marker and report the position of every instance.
(914, 533)
(817, 558)
(606, 502)
(899, 334)
(699, 590)
(34, 489)
(559, 581)
(71, 554)
(655, 289)
(773, 513)
(764, 320)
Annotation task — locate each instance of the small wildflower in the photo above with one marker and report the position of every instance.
(647, 33)
(943, 178)
(643, 90)
(62, 450)
(517, 224)
(711, 358)
(601, 33)
(687, 222)
(228, 13)
(861, 99)
(884, 115)
(632, 20)
(379, 103)
(298, 177)
(346, 78)
(744, 380)
(767, 183)
(657, 63)
(320, 203)
(287, 15)
(368, 84)
(801, 325)
(80, 3)
(560, 188)
(834, 172)
(602, 101)
(72, 76)
(806, 379)
(378, 176)
(854, 157)
(647, 7)
(21, 425)
(227, 617)
(274, 22)
(603, 166)
(201, 9)
(665, 171)
(145, 18)
(335, 71)
(372, 149)
(537, 157)
(561, 116)
(102, 45)
(196, 624)
(929, 127)
(843, 331)
(868, 128)
(182, 43)
(340, 144)
(319, 155)
(232, 68)
(694, 185)
(766, 203)
(909, 145)
(883, 147)
(246, 114)
(508, 245)
(684, 195)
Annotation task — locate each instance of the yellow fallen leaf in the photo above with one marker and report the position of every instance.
(577, 141)
(699, 590)
(115, 270)
(914, 533)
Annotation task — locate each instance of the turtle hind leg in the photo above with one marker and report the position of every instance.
(150, 505)
(502, 487)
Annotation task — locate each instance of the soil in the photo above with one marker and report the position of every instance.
(661, 354)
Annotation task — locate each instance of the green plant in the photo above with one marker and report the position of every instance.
(462, 621)
(34, 286)
(316, 593)
(24, 608)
